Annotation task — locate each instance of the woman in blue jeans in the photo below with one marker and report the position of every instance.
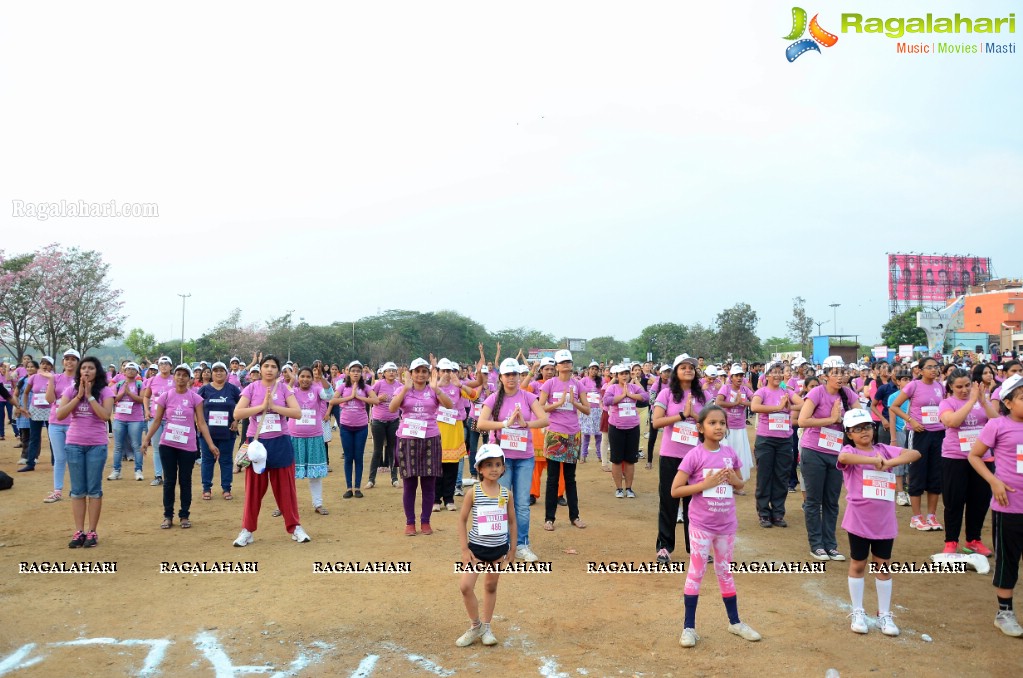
(87, 405)
(128, 420)
(353, 395)
(509, 413)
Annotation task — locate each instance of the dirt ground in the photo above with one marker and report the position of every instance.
(286, 620)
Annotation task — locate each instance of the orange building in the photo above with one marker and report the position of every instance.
(986, 312)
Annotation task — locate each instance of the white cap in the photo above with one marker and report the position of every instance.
(235, 359)
(736, 369)
(165, 359)
(152, 366)
(564, 355)
(254, 368)
(1009, 385)
(509, 366)
(523, 369)
(444, 364)
(184, 367)
(73, 353)
(834, 361)
(489, 451)
(418, 362)
(257, 455)
(544, 362)
(47, 359)
(389, 366)
(287, 366)
(915, 363)
(485, 370)
(354, 363)
(618, 369)
(856, 417)
(798, 361)
(711, 371)
(683, 358)
(132, 366)
(665, 368)
(593, 363)
(220, 365)
(454, 366)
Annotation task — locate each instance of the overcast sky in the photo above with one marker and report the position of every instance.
(585, 168)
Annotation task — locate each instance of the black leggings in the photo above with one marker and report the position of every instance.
(385, 441)
(962, 487)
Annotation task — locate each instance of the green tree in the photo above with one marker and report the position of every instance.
(702, 340)
(801, 326)
(664, 340)
(142, 344)
(737, 333)
(606, 349)
(902, 329)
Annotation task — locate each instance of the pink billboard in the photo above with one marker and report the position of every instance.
(917, 278)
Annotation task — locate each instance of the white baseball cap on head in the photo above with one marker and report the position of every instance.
(418, 362)
(855, 418)
(509, 366)
(485, 370)
(593, 363)
(736, 369)
(235, 359)
(165, 359)
(544, 362)
(665, 368)
(563, 356)
(254, 368)
(834, 361)
(711, 371)
(684, 358)
(72, 353)
(389, 366)
(523, 369)
(184, 367)
(132, 366)
(220, 365)
(489, 451)
(444, 364)
(354, 363)
(1009, 385)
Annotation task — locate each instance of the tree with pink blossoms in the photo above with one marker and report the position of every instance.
(19, 295)
(94, 308)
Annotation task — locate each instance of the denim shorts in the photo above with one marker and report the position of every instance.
(85, 466)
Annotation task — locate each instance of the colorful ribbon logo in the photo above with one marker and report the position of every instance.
(801, 46)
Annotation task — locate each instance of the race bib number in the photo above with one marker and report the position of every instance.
(568, 401)
(722, 491)
(593, 398)
(627, 409)
(830, 439)
(685, 432)
(779, 421)
(269, 423)
(967, 438)
(477, 409)
(929, 414)
(123, 407)
(218, 418)
(492, 520)
(39, 400)
(413, 428)
(447, 416)
(879, 485)
(1019, 459)
(308, 418)
(176, 433)
(514, 439)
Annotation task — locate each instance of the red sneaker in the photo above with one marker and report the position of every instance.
(425, 528)
(951, 547)
(976, 546)
(410, 530)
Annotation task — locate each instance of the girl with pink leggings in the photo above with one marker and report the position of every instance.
(709, 473)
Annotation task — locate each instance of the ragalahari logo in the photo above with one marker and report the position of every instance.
(818, 35)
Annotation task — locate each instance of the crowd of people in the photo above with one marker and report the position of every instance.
(891, 435)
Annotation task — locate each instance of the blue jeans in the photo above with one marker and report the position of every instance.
(226, 461)
(354, 445)
(85, 466)
(5, 413)
(58, 437)
(823, 483)
(518, 477)
(128, 434)
(155, 444)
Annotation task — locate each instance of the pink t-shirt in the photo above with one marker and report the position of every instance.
(713, 513)
(158, 385)
(1005, 437)
(922, 397)
(956, 438)
(382, 387)
(310, 425)
(121, 411)
(418, 407)
(774, 424)
(84, 427)
(37, 384)
(525, 401)
(623, 415)
(823, 402)
(735, 416)
(274, 426)
(681, 437)
(454, 391)
(353, 412)
(865, 517)
(565, 419)
(179, 419)
(61, 382)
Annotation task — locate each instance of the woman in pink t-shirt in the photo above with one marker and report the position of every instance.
(621, 399)
(709, 476)
(734, 397)
(774, 406)
(353, 395)
(589, 424)
(86, 405)
(384, 425)
(562, 398)
(870, 513)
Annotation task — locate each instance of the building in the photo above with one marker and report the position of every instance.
(991, 312)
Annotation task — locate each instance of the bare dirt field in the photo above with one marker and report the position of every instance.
(287, 620)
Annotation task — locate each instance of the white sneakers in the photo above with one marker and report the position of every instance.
(1005, 621)
(688, 638)
(488, 637)
(859, 622)
(525, 553)
(114, 475)
(743, 630)
(902, 499)
(244, 538)
(299, 535)
(470, 636)
(886, 624)
(138, 475)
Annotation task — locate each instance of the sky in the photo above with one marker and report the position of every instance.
(584, 168)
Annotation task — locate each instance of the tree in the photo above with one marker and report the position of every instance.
(50, 315)
(19, 291)
(141, 343)
(94, 307)
(737, 336)
(902, 329)
(606, 349)
(664, 340)
(780, 345)
(702, 340)
(801, 326)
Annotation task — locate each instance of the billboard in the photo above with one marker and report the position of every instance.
(929, 279)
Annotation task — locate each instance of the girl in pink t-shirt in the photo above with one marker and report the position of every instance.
(870, 513)
(709, 474)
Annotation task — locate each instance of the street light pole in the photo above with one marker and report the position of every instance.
(183, 297)
(819, 324)
(290, 331)
(834, 308)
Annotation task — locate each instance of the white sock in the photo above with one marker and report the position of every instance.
(884, 595)
(316, 489)
(856, 592)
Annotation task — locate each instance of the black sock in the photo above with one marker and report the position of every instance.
(1004, 604)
